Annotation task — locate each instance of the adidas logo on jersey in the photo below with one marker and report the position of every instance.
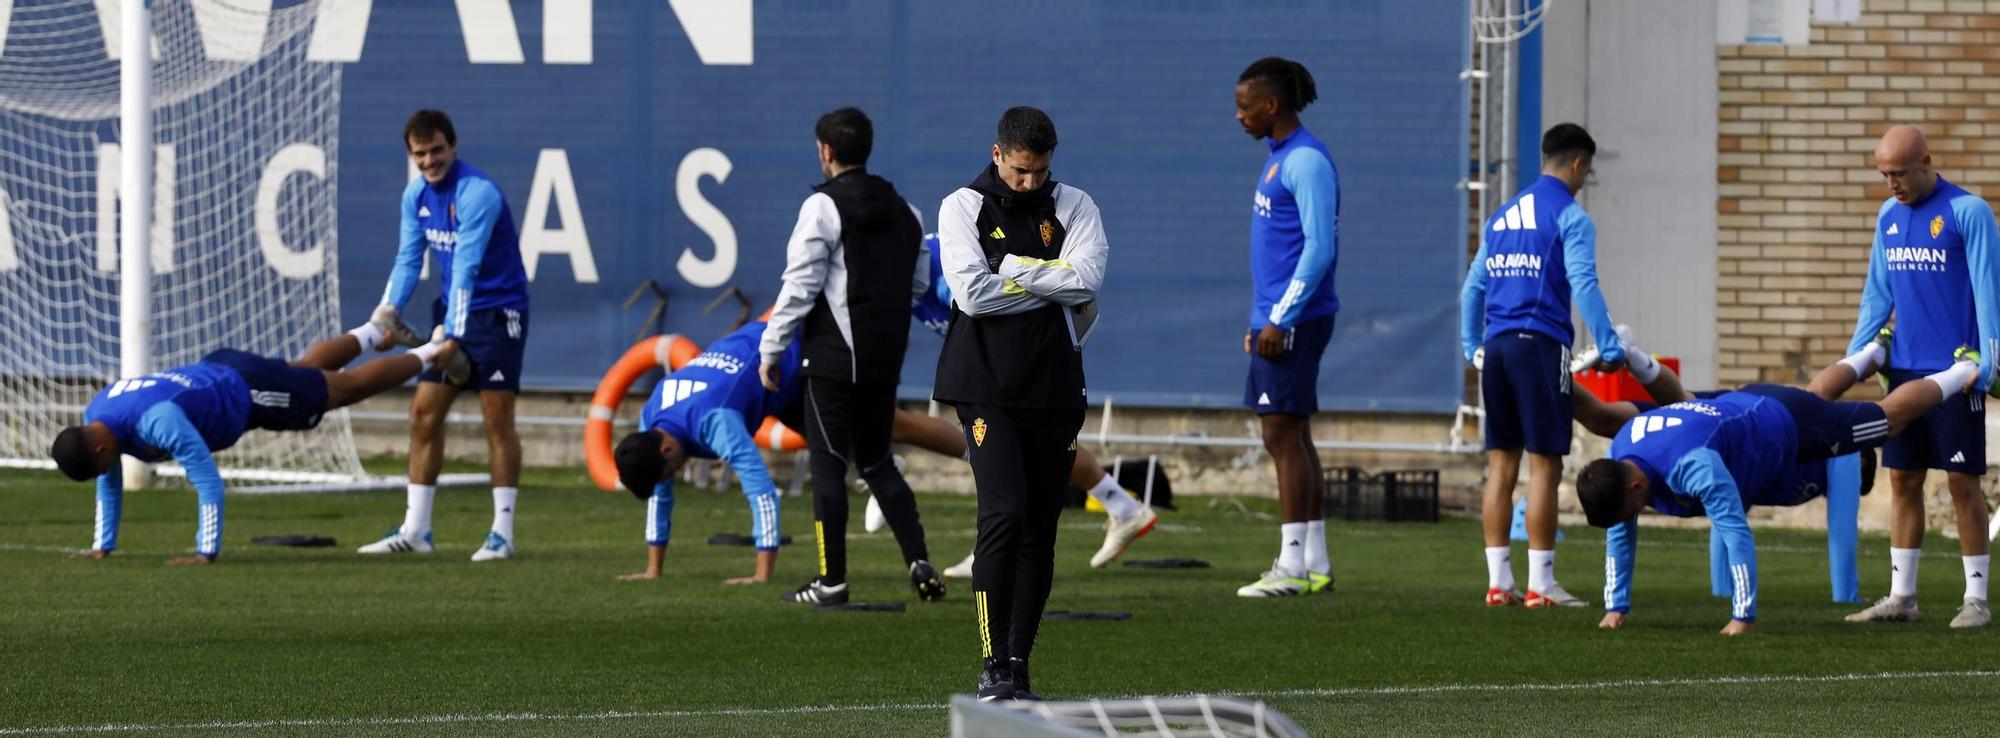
(1520, 216)
(423, 211)
(997, 233)
(675, 390)
(1645, 424)
(1892, 230)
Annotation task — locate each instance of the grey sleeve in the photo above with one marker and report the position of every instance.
(975, 288)
(1074, 278)
(812, 243)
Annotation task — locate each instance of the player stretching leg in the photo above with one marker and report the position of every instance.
(457, 214)
(1537, 255)
(1932, 265)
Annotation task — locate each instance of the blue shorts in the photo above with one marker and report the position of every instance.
(1526, 391)
(494, 340)
(1951, 436)
(1827, 428)
(1289, 385)
(282, 397)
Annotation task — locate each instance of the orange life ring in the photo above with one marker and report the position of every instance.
(778, 436)
(671, 351)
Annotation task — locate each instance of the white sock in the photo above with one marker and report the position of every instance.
(417, 518)
(1117, 501)
(369, 335)
(1316, 558)
(427, 353)
(1292, 547)
(1500, 567)
(1903, 571)
(1541, 570)
(1953, 379)
(1641, 364)
(1868, 359)
(1975, 576)
(503, 511)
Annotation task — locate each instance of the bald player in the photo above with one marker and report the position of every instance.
(1933, 269)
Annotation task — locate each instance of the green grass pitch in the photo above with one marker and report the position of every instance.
(324, 642)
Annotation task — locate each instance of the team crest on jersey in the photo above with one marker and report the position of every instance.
(1048, 232)
(1937, 225)
(1272, 172)
(979, 431)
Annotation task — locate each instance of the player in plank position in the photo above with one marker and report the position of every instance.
(1760, 445)
(190, 412)
(706, 409)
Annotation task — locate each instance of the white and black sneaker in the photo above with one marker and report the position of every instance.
(996, 682)
(393, 329)
(815, 593)
(395, 542)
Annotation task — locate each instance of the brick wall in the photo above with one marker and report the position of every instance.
(1798, 189)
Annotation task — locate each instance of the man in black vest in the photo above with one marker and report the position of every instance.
(1024, 257)
(854, 263)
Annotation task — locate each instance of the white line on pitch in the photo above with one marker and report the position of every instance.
(824, 709)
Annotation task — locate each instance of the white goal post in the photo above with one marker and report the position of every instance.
(239, 249)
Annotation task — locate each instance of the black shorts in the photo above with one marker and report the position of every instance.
(282, 397)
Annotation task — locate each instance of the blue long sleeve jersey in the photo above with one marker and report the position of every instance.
(466, 224)
(185, 413)
(1537, 256)
(1295, 234)
(712, 406)
(1933, 266)
(1716, 457)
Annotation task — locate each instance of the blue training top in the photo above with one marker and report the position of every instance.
(712, 406)
(933, 307)
(1933, 265)
(1716, 457)
(184, 413)
(466, 224)
(1294, 234)
(1537, 254)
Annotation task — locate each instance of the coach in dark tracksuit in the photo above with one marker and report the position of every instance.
(1024, 257)
(854, 263)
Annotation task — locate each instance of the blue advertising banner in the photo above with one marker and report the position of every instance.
(672, 141)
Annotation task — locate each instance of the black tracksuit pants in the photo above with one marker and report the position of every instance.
(1021, 461)
(850, 423)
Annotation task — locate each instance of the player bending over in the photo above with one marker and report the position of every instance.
(191, 412)
(1760, 445)
(1129, 519)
